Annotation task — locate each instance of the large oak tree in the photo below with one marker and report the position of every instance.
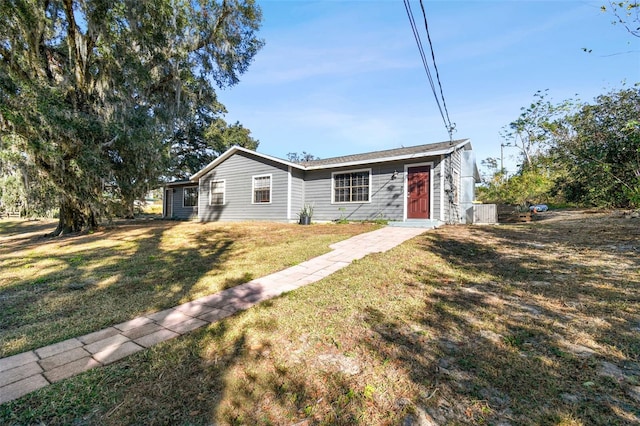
(94, 92)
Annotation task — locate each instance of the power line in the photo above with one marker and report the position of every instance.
(450, 127)
(448, 165)
(416, 35)
(444, 112)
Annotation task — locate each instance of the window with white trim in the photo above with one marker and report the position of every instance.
(190, 198)
(352, 187)
(216, 192)
(261, 189)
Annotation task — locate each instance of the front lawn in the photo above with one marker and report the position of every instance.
(54, 289)
(525, 324)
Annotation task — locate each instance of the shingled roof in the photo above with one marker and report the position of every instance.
(377, 156)
(403, 153)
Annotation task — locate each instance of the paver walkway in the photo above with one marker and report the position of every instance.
(24, 373)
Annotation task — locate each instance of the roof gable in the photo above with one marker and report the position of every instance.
(234, 149)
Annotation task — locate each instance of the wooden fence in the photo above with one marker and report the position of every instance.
(508, 213)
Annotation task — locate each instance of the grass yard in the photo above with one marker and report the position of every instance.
(54, 289)
(525, 324)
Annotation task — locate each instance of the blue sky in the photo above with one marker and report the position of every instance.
(344, 77)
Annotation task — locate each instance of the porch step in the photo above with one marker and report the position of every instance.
(416, 223)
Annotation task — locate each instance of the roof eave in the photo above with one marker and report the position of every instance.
(394, 158)
(177, 183)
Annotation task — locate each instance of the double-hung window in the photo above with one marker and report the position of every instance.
(216, 192)
(190, 196)
(352, 187)
(261, 189)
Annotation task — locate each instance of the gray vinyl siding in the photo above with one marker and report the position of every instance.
(238, 171)
(457, 163)
(436, 175)
(452, 212)
(387, 200)
(292, 186)
(178, 210)
(297, 193)
(387, 194)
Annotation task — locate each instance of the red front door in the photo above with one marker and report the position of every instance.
(418, 192)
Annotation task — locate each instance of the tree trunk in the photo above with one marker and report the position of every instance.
(73, 218)
(129, 209)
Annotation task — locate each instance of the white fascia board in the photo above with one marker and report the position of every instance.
(228, 153)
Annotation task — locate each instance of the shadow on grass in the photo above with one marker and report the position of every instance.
(520, 331)
(257, 391)
(17, 232)
(486, 337)
(219, 372)
(102, 279)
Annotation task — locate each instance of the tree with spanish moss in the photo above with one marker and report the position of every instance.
(94, 92)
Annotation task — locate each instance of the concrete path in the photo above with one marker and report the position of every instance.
(24, 373)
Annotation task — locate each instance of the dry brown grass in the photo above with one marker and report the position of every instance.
(533, 324)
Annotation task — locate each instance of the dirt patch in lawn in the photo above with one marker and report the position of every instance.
(547, 331)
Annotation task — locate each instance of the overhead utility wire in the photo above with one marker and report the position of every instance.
(416, 35)
(450, 127)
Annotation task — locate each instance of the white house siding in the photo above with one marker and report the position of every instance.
(237, 171)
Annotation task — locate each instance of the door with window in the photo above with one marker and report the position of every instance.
(418, 186)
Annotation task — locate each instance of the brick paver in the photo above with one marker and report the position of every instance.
(17, 360)
(195, 309)
(58, 348)
(19, 373)
(105, 344)
(143, 330)
(98, 335)
(170, 316)
(187, 326)
(216, 315)
(17, 389)
(134, 323)
(63, 358)
(114, 353)
(155, 338)
(71, 369)
(26, 372)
